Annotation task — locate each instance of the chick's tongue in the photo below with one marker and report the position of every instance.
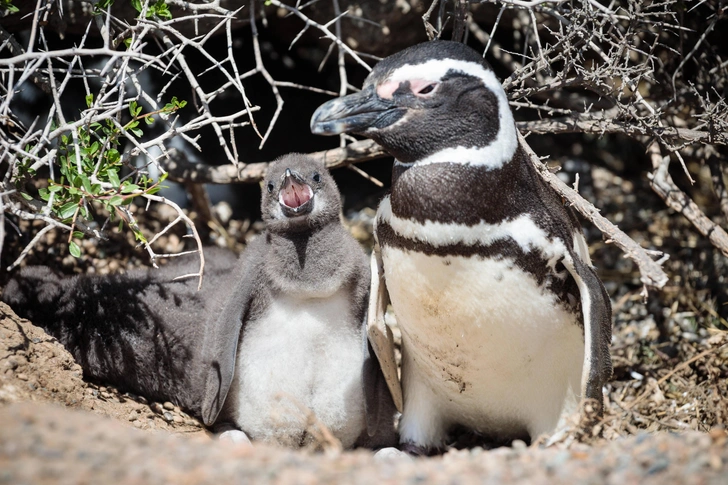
(294, 194)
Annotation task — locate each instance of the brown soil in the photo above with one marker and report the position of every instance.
(95, 442)
(36, 367)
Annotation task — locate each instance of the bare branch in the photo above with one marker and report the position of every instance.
(717, 174)
(651, 273)
(600, 124)
(180, 168)
(665, 187)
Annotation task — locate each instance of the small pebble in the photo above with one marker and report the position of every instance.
(168, 406)
(157, 408)
(168, 416)
(519, 445)
(178, 420)
(22, 377)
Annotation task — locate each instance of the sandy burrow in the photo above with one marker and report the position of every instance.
(43, 440)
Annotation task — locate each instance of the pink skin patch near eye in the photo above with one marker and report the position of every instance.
(386, 89)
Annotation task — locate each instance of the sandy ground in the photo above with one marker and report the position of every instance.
(57, 428)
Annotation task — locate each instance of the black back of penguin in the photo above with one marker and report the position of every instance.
(163, 339)
(464, 195)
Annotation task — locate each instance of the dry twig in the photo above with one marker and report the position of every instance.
(651, 272)
(665, 187)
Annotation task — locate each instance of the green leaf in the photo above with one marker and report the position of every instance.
(77, 234)
(137, 4)
(89, 100)
(43, 193)
(129, 188)
(113, 178)
(26, 196)
(74, 249)
(67, 210)
(137, 132)
(162, 10)
(132, 108)
(116, 200)
(149, 120)
(139, 236)
(113, 155)
(8, 5)
(86, 183)
(127, 43)
(55, 188)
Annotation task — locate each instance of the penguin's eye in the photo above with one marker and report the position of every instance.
(270, 187)
(427, 89)
(316, 177)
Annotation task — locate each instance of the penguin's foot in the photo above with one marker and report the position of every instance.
(235, 436)
(419, 450)
(391, 453)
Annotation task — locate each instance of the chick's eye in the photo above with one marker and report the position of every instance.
(270, 187)
(316, 177)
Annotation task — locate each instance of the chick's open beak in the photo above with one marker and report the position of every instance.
(295, 193)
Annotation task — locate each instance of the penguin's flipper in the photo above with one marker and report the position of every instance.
(223, 331)
(597, 311)
(378, 403)
(379, 333)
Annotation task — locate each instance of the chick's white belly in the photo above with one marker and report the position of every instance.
(483, 346)
(303, 354)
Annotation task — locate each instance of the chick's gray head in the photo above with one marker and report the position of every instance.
(299, 194)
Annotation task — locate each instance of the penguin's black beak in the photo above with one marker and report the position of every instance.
(355, 113)
(295, 195)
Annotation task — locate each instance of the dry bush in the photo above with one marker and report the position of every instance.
(651, 71)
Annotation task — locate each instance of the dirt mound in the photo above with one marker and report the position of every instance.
(47, 444)
(44, 443)
(36, 367)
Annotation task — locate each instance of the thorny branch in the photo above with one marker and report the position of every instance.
(577, 67)
(113, 87)
(676, 199)
(651, 271)
(590, 67)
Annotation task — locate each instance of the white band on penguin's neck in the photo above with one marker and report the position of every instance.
(501, 150)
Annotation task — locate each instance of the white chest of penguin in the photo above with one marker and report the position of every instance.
(302, 354)
(483, 345)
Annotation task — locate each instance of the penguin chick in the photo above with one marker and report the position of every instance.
(504, 321)
(302, 337)
(269, 339)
